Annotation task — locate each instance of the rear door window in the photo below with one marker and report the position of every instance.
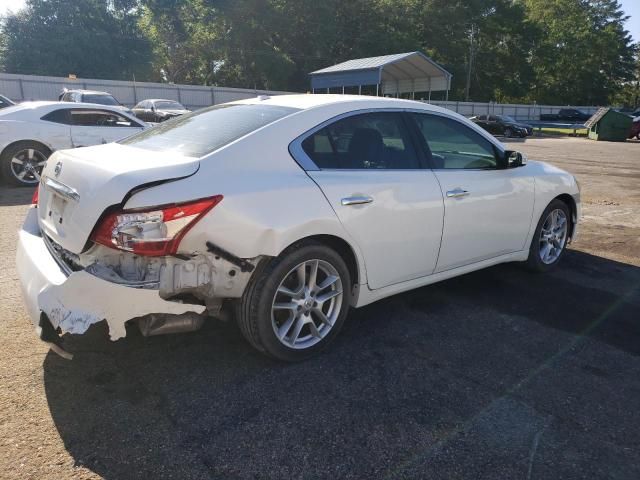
(58, 116)
(377, 140)
(99, 118)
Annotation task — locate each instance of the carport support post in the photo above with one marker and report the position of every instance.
(377, 85)
(359, 89)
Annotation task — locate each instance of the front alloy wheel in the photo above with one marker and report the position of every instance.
(551, 237)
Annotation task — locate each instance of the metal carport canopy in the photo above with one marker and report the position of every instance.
(398, 73)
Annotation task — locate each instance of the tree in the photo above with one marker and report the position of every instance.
(91, 38)
(502, 41)
(584, 53)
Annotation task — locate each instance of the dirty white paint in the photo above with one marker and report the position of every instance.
(84, 299)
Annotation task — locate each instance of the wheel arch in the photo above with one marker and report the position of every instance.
(348, 254)
(16, 142)
(570, 202)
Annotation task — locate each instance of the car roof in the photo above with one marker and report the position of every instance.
(93, 92)
(158, 100)
(42, 107)
(307, 101)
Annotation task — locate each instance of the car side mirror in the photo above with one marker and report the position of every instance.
(515, 159)
(153, 108)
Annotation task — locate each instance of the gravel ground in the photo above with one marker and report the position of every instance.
(498, 374)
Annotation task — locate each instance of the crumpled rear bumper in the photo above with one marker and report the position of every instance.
(76, 301)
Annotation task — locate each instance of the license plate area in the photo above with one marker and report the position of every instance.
(56, 209)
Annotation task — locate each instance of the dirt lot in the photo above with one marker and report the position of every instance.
(499, 374)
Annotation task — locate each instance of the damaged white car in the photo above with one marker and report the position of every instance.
(282, 213)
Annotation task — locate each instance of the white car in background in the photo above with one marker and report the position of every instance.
(31, 131)
(285, 212)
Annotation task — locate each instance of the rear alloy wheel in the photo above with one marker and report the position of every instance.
(551, 237)
(296, 304)
(307, 304)
(508, 132)
(23, 162)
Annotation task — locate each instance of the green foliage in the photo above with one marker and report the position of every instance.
(549, 51)
(583, 54)
(90, 38)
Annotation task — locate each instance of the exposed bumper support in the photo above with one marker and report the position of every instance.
(75, 302)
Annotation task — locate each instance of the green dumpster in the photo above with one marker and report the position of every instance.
(609, 126)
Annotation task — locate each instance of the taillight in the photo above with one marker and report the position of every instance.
(152, 232)
(34, 199)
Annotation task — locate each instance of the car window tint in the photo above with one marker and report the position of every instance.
(58, 116)
(199, 133)
(99, 118)
(454, 145)
(169, 106)
(99, 98)
(376, 140)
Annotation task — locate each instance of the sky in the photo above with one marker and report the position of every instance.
(631, 8)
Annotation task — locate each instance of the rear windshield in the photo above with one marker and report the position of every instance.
(99, 99)
(199, 133)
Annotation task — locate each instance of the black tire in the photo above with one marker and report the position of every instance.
(534, 262)
(40, 153)
(508, 132)
(254, 310)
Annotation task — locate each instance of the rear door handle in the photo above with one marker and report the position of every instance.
(356, 200)
(458, 192)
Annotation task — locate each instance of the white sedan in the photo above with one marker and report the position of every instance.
(31, 131)
(282, 212)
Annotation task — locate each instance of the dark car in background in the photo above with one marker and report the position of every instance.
(503, 125)
(158, 110)
(567, 115)
(5, 102)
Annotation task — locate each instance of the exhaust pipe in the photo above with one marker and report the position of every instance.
(158, 324)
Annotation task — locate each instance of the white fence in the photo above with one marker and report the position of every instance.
(519, 112)
(31, 87)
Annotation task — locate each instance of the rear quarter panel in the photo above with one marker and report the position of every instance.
(269, 201)
(55, 136)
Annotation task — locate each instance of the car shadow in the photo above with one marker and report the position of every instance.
(406, 376)
(10, 196)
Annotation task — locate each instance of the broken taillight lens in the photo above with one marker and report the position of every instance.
(34, 199)
(152, 232)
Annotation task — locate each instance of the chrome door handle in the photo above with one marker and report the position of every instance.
(458, 192)
(356, 200)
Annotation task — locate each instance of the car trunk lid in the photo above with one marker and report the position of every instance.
(79, 185)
